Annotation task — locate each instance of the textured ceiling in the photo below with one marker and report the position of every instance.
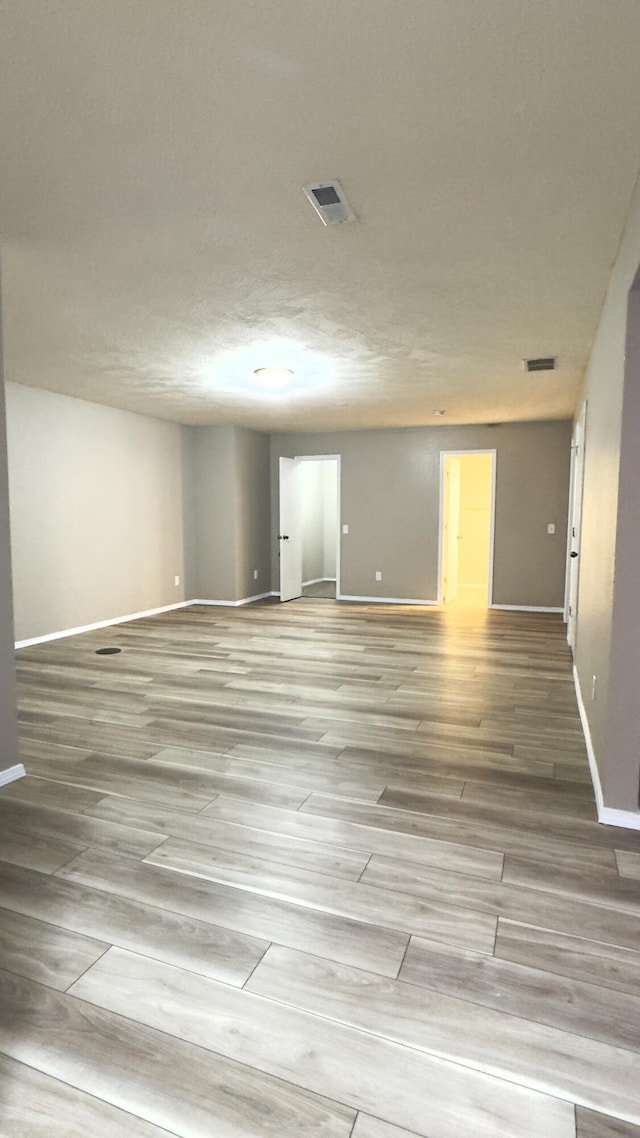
(157, 246)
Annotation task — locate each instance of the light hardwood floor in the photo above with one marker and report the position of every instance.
(318, 870)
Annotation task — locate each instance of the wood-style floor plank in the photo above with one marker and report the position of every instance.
(377, 948)
(549, 909)
(316, 869)
(34, 1105)
(324, 857)
(571, 1005)
(45, 952)
(335, 779)
(165, 1081)
(463, 859)
(576, 957)
(502, 836)
(341, 1062)
(441, 921)
(590, 1124)
(78, 828)
(187, 941)
(534, 1055)
(367, 1127)
(35, 851)
(628, 864)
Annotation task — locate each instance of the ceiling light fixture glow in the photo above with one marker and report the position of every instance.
(273, 372)
(298, 373)
(437, 412)
(273, 378)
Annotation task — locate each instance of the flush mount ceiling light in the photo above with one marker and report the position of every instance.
(265, 372)
(299, 370)
(437, 412)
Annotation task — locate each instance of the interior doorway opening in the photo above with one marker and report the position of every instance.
(309, 527)
(466, 534)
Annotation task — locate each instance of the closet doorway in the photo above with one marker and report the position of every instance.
(309, 527)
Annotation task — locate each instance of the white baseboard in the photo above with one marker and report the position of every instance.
(384, 600)
(100, 624)
(626, 819)
(607, 815)
(11, 774)
(134, 616)
(526, 608)
(235, 604)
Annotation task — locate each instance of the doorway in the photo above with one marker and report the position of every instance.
(466, 532)
(309, 527)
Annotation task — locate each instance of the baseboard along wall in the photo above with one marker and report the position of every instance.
(11, 774)
(607, 815)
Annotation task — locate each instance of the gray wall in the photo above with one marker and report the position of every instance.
(228, 512)
(608, 626)
(212, 572)
(96, 511)
(390, 500)
(253, 537)
(8, 730)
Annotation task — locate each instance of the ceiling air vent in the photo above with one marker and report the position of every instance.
(329, 201)
(542, 363)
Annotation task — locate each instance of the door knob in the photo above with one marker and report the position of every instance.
(573, 553)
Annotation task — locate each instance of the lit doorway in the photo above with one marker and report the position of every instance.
(466, 531)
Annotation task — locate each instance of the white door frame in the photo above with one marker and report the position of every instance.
(492, 518)
(337, 459)
(574, 526)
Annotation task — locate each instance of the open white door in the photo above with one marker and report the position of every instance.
(289, 534)
(575, 526)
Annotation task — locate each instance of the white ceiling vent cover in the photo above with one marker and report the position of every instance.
(329, 201)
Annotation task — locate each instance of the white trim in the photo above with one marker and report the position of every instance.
(385, 600)
(607, 815)
(11, 774)
(626, 819)
(492, 518)
(99, 624)
(235, 604)
(527, 608)
(574, 523)
(136, 616)
(316, 581)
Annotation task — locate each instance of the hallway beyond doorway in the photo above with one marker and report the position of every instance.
(466, 532)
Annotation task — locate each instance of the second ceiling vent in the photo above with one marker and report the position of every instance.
(329, 201)
(541, 363)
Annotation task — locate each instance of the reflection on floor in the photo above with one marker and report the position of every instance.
(323, 589)
(470, 596)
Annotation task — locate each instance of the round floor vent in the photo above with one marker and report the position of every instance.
(107, 651)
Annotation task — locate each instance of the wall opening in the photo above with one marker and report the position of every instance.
(309, 525)
(319, 526)
(466, 532)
